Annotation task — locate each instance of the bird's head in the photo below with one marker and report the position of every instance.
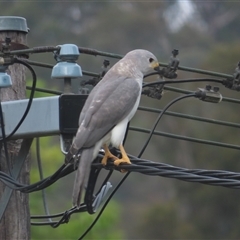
(143, 60)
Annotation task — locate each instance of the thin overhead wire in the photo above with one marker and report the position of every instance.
(185, 138)
(39, 163)
(94, 52)
(191, 117)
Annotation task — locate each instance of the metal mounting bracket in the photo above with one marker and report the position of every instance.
(47, 116)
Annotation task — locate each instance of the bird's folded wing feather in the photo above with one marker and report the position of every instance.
(106, 106)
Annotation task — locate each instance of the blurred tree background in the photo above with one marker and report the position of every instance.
(207, 36)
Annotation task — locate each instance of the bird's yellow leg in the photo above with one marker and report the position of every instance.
(124, 159)
(107, 155)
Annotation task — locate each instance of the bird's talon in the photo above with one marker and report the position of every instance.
(119, 161)
(108, 155)
(104, 161)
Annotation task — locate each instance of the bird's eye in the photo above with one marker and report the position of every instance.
(151, 60)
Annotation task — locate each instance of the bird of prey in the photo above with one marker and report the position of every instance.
(106, 113)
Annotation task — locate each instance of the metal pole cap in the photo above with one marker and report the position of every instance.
(13, 23)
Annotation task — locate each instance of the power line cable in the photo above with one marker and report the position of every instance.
(39, 163)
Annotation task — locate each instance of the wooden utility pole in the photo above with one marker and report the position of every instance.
(15, 223)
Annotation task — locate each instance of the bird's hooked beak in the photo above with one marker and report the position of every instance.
(155, 66)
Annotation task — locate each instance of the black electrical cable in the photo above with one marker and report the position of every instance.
(141, 166)
(65, 216)
(158, 119)
(181, 81)
(12, 183)
(43, 90)
(61, 172)
(34, 78)
(139, 155)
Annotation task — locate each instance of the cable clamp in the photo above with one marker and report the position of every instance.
(236, 78)
(101, 195)
(233, 83)
(171, 70)
(209, 94)
(155, 91)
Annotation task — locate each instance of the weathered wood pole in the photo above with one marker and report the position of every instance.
(15, 223)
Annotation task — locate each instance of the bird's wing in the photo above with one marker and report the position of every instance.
(110, 103)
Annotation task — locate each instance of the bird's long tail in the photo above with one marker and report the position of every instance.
(82, 175)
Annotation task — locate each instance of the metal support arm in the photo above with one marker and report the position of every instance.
(47, 116)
